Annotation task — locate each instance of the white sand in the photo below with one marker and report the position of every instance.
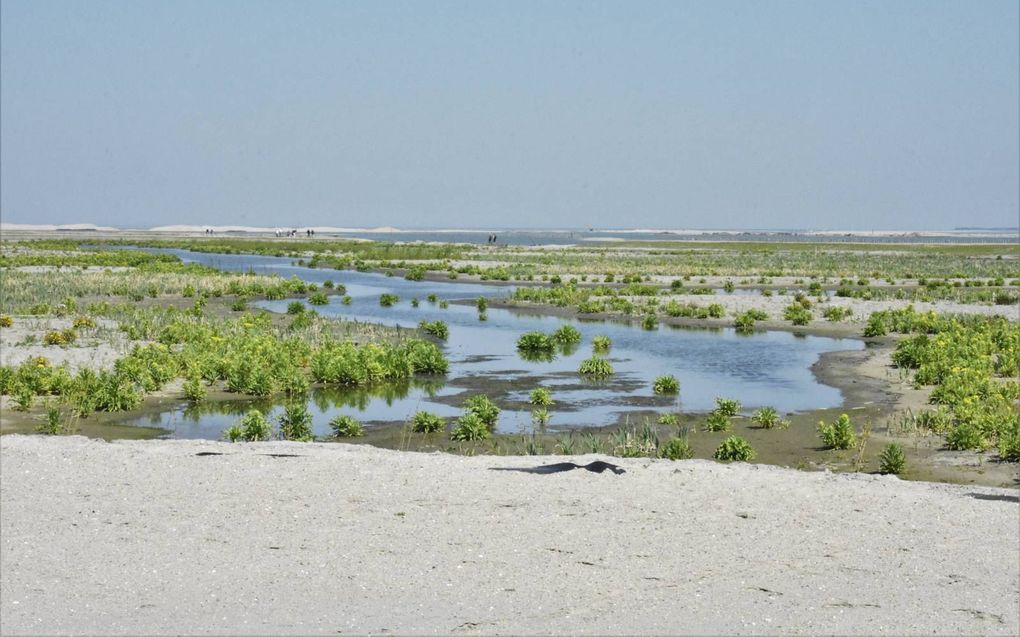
(147, 537)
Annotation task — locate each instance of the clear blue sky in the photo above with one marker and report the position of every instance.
(770, 114)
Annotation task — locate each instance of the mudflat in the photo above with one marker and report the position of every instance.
(199, 537)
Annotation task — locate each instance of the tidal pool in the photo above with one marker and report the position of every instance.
(764, 368)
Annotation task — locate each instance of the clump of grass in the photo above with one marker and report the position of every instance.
(295, 307)
(437, 328)
(718, 421)
(734, 449)
(318, 298)
(595, 367)
(483, 408)
(346, 300)
(253, 427)
(482, 304)
(600, 344)
(768, 418)
(567, 334)
(84, 322)
(296, 423)
(678, 448)
(540, 416)
(6, 320)
(727, 406)
(194, 389)
(892, 460)
(649, 322)
(55, 424)
(837, 313)
(59, 337)
(425, 422)
(387, 300)
(669, 418)
(346, 427)
(535, 342)
(540, 397)
(839, 434)
(469, 428)
(797, 314)
(667, 384)
(239, 305)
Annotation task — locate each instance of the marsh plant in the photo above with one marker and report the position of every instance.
(426, 422)
(649, 322)
(252, 428)
(669, 418)
(727, 406)
(677, 448)
(632, 442)
(566, 334)
(482, 304)
(436, 328)
(318, 298)
(595, 367)
(296, 423)
(768, 418)
(667, 384)
(540, 397)
(600, 344)
(470, 427)
(194, 389)
(892, 460)
(535, 342)
(734, 449)
(486, 410)
(839, 434)
(344, 426)
(540, 416)
(718, 421)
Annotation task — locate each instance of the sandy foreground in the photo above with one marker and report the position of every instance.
(288, 538)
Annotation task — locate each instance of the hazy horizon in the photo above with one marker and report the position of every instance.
(661, 115)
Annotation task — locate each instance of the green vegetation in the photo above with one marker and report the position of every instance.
(535, 342)
(734, 449)
(437, 328)
(296, 423)
(486, 411)
(718, 421)
(669, 418)
(666, 385)
(727, 407)
(318, 298)
(252, 428)
(595, 367)
(346, 427)
(425, 422)
(892, 460)
(839, 434)
(600, 344)
(567, 334)
(387, 300)
(677, 449)
(541, 397)
(768, 418)
(470, 427)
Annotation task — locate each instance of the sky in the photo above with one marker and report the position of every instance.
(679, 114)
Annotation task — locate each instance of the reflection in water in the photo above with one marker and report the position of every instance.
(763, 368)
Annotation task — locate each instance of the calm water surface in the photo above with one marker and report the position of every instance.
(766, 368)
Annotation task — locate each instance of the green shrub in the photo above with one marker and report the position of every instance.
(346, 300)
(966, 436)
(415, 274)
(839, 434)
(540, 416)
(541, 397)
(676, 449)
(595, 367)
(253, 427)
(666, 385)
(649, 322)
(432, 298)
(892, 460)
(718, 421)
(425, 422)
(734, 449)
(469, 428)
(567, 335)
(535, 342)
(669, 418)
(346, 427)
(600, 344)
(768, 418)
(83, 323)
(6, 320)
(727, 406)
(295, 307)
(194, 390)
(59, 337)
(1009, 444)
(318, 298)
(482, 304)
(439, 329)
(296, 423)
(797, 314)
(387, 300)
(744, 323)
(54, 424)
(837, 313)
(239, 305)
(483, 408)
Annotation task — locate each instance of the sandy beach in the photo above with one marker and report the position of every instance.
(288, 538)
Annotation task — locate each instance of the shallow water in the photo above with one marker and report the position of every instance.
(765, 368)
